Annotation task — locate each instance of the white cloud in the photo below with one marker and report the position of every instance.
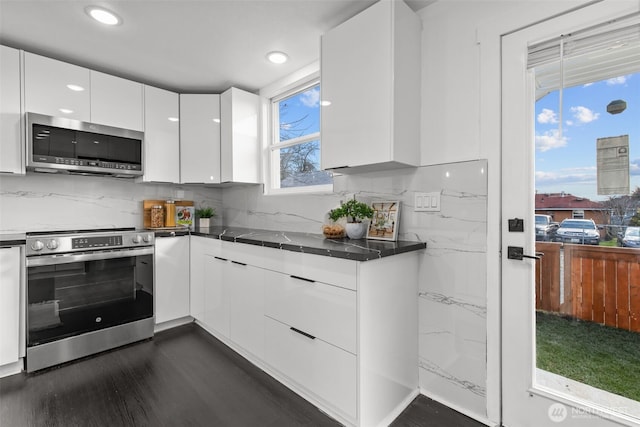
(569, 122)
(584, 115)
(566, 176)
(547, 116)
(549, 140)
(311, 98)
(617, 80)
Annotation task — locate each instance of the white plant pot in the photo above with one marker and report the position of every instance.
(356, 230)
(204, 222)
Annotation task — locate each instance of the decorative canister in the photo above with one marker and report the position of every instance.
(170, 214)
(157, 216)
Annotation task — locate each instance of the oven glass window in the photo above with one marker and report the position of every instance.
(69, 299)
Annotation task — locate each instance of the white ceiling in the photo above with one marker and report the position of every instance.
(188, 46)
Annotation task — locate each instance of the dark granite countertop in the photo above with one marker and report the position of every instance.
(309, 243)
(12, 239)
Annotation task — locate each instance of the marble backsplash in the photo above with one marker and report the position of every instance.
(42, 202)
(453, 286)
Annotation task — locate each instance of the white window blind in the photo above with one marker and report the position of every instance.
(603, 51)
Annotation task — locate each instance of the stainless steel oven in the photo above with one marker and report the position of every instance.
(87, 291)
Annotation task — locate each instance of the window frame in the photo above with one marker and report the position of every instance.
(274, 145)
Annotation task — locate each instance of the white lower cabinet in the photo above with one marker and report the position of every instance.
(216, 295)
(9, 305)
(325, 311)
(172, 278)
(343, 334)
(320, 368)
(246, 306)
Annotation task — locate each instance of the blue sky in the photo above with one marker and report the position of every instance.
(568, 163)
(305, 104)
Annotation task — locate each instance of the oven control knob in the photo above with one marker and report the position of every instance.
(136, 239)
(37, 245)
(52, 244)
(148, 238)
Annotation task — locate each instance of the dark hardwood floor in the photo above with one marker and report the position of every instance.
(182, 377)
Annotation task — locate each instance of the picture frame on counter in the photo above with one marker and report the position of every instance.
(384, 223)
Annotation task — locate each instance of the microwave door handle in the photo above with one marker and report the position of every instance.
(87, 256)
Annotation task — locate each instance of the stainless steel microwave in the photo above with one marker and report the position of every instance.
(58, 144)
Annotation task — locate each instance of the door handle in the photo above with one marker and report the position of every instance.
(517, 253)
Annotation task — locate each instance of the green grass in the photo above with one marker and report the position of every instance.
(612, 242)
(601, 356)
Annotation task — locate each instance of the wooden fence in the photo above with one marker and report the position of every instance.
(595, 283)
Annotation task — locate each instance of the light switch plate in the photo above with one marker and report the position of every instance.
(427, 202)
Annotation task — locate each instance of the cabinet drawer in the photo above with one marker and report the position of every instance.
(324, 311)
(335, 271)
(324, 370)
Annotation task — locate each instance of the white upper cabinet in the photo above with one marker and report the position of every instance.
(240, 146)
(116, 101)
(370, 84)
(11, 134)
(200, 138)
(56, 88)
(161, 135)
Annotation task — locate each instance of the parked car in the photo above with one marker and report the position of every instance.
(583, 231)
(631, 238)
(545, 228)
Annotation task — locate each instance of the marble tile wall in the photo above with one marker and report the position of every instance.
(453, 287)
(41, 202)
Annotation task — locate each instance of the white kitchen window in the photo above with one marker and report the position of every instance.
(294, 151)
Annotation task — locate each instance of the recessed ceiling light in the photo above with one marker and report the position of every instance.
(325, 103)
(66, 111)
(174, 119)
(277, 57)
(217, 120)
(102, 15)
(75, 88)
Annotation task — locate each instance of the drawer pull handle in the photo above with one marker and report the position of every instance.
(303, 279)
(302, 333)
(221, 259)
(238, 262)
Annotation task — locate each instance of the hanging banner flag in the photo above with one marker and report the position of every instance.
(613, 165)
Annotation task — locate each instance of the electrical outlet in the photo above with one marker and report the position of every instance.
(427, 202)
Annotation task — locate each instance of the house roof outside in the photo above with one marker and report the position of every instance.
(566, 201)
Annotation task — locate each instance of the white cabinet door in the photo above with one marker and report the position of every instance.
(9, 305)
(246, 306)
(161, 135)
(370, 71)
(216, 295)
(172, 278)
(197, 249)
(11, 132)
(240, 146)
(49, 88)
(320, 368)
(200, 139)
(116, 101)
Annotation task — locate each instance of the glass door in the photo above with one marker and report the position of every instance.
(560, 320)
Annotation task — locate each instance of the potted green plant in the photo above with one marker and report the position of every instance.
(204, 215)
(355, 213)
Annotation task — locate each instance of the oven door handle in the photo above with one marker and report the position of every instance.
(87, 256)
